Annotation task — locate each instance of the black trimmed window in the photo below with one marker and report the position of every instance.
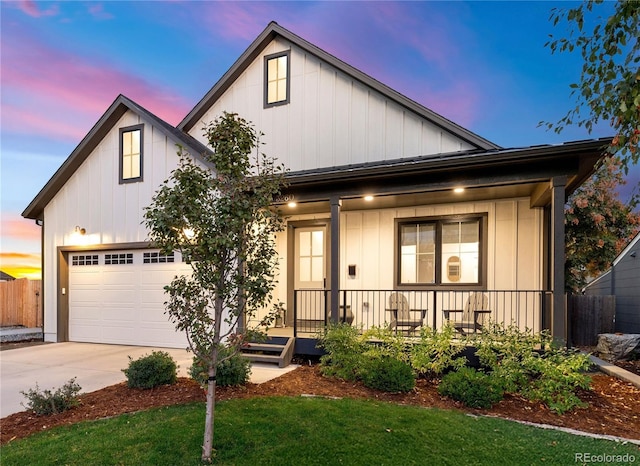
(120, 258)
(131, 154)
(276, 79)
(157, 258)
(447, 251)
(85, 259)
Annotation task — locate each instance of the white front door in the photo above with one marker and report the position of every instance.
(310, 271)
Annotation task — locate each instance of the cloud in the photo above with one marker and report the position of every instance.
(97, 11)
(236, 20)
(20, 265)
(16, 227)
(61, 94)
(30, 7)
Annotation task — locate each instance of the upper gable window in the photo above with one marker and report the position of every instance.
(276, 75)
(131, 153)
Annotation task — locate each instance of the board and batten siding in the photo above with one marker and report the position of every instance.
(331, 119)
(514, 244)
(622, 281)
(94, 200)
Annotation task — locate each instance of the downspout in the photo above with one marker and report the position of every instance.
(40, 223)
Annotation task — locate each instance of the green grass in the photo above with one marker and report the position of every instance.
(305, 431)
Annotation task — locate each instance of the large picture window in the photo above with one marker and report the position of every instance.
(276, 73)
(131, 154)
(442, 251)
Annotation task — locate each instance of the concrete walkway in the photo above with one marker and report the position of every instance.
(615, 371)
(94, 365)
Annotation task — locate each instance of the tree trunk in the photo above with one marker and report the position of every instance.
(207, 445)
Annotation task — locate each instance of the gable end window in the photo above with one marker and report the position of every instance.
(131, 157)
(447, 251)
(276, 79)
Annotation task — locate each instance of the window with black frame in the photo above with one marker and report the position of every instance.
(442, 251)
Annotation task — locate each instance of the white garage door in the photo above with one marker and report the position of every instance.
(118, 297)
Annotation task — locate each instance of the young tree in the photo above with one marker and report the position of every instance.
(598, 225)
(220, 218)
(609, 87)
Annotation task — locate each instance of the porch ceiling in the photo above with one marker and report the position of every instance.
(308, 203)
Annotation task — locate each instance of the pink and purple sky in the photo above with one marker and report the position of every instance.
(480, 64)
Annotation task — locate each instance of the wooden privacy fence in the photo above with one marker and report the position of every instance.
(588, 316)
(20, 303)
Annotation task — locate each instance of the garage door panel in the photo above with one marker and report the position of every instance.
(119, 276)
(84, 332)
(118, 334)
(84, 312)
(120, 297)
(116, 314)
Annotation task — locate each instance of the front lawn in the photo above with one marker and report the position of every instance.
(306, 431)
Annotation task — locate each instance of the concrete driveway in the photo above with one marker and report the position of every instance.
(94, 365)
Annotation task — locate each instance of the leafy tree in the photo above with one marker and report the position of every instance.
(609, 87)
(598, 225)
(219, 218)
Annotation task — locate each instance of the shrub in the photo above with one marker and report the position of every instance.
(48, 402)
(533, 366)
(473, 388)
(153, 370)
(231, 370)
(345, 349)
(435, 352)
(388, 374)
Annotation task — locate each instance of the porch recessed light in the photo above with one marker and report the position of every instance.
(292, 204)
(458, 190)
(368, 198)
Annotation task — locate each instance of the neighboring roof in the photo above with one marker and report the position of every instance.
(105, 124)
(634, 242)
(5, 277)
(274, 30)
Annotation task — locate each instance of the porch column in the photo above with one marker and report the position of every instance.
(334, 258)
(557, 259)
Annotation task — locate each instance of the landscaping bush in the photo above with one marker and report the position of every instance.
(388, 374)
(153, 370)
(48, 402)
(435, 352)
(473, 388)
(345, 349)
(231, 370)
(533, 366)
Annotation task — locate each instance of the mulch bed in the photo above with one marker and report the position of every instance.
(614, 405)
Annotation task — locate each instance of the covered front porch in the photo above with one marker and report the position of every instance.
(467, 238)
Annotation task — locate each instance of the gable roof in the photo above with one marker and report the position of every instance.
(274, 30)
(105, 124)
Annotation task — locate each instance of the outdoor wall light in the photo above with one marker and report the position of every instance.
(80, 231)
